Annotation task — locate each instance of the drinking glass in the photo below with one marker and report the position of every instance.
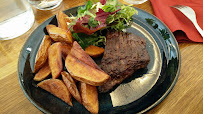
(135, 1)
(16, 18)
(45, 4)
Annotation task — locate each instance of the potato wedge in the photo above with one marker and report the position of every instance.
(42, 53)
(94, 51)
(70, 84)
(79, 53)
(57, 88)
(89, 97)
(50, 26)
(66, 48)
(59, 34)
(43, 72)
(85, 73)
(55, 59)
(62, 20)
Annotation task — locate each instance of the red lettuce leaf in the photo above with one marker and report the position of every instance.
(80, 28)
(101, 16)
(103, 2)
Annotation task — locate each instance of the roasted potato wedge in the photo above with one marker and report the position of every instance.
(89, 97)
(79, 53)
(85, 73)
(70, 84)
(42, 53)
(57, 88)
(59, 34)
(55, 59)
(62, 20)
(50, 26)
(66, 48)
(43, 72)
(94, 51)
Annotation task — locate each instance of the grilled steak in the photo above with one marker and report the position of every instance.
(124, 54)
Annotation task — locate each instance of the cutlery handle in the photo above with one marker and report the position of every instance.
(198, 28)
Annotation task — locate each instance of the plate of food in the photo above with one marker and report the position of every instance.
(103, 57)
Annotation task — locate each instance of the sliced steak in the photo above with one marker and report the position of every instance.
(124, 54)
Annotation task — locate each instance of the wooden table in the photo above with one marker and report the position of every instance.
(186, 97)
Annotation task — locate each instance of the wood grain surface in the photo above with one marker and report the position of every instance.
(185, 98)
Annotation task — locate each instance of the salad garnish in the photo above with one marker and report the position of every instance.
(97, 16)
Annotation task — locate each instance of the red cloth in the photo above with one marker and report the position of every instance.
(180, 25)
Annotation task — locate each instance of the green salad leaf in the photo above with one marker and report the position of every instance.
(82, 11)
(99, 15)
(94, 1)
(122, 18)
(110, 6)
(85, 40)
(92, 22)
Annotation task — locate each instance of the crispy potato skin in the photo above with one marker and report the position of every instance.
(70, 84)
(59, 34)
(66, 48)
(43, 72)
(89, 97)
(89, 94)
(94, 51)
(42, 53)
(62, 20)
(79, 53)
(78, 63)
(55, 59)
(83, 68)
(85, 73)
(57, 88)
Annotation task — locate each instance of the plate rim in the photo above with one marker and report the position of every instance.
(178, 70)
